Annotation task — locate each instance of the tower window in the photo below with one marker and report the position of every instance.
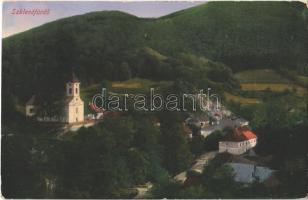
(70, 90)
(76, 90)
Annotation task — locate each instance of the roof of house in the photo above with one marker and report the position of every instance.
(31, 101)
(240, 134)
(247, 173)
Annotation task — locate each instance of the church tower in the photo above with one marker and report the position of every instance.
(74, 106)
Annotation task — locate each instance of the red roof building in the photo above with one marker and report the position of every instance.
(238, 141)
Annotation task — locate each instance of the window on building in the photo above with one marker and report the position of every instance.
(70, 90)
(31, 110)
(76, 90)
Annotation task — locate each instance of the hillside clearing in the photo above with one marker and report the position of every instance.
(260, 76)
(138, 85)
(239, 99)
(275, 87)
(132, 84)
(303, 79)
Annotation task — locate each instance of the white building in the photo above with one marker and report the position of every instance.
(238, 141)
(30, 107)
(74, 106)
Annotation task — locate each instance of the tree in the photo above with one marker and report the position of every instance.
(211, 141)
(20, 176)
(219, 180)
(197, 144)
(124, 72)
(176, 155)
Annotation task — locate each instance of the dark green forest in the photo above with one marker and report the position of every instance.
(117, 46)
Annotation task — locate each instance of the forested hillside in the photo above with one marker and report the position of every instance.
(117, 46)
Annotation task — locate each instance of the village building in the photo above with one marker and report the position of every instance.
(197, 121)
(74, 106)
(249, 173)
(31, 106)
(222, 124)
(240, 121)
(238, 141)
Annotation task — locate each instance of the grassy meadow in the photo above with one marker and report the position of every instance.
(259, 80)
(260, 76)
(267, 79)
(240, 99)
(137, 85)
(275, 87)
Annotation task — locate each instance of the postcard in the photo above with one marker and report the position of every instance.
(154, 99)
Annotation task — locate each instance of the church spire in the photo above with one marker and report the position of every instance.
(73, 78)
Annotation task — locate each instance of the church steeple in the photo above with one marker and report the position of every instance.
(73, 78)
(72, 86)
(74, 104)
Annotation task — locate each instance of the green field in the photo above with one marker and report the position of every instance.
(137, 85)
(275, 87)
(267, 79)
(240, 99)
(260, 76)
(303, 79)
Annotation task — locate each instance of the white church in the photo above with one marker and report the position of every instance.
(73, 108)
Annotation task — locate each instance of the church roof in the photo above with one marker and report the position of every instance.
(240, 134)
(68, 99)
(73, 78)
(31, 101)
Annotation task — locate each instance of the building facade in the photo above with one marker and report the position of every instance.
(74, 106)
(237, 142)
(30, 107)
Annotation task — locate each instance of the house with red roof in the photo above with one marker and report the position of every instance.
(238, 141)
